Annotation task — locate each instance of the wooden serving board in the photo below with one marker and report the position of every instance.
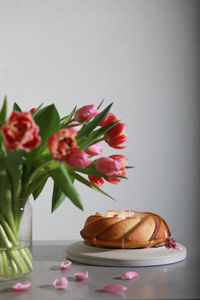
(90, 255)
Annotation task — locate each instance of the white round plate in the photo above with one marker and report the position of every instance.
(90, 255)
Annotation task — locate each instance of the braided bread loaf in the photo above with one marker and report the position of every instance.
(127, 229)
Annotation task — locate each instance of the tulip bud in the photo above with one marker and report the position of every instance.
(85, 113)
(95, 149)
(108, 166)
(78, 159)
(110, 118)
(97, 181)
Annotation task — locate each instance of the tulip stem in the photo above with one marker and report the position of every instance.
(98, 141)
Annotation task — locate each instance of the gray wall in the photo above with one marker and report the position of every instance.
(144, 56)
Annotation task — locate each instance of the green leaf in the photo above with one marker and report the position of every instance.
(90, 184)
(16, 107)
(35, 184)
(37, 191)
(100, 104)
(88, 127)
(6, 196)
(90, 140)
(3, 112)
(37, 110)
(14, 161)
(57, 198)
(2, 146)
(67, 119)
(49, 122)
(63, 181)
(129, 167)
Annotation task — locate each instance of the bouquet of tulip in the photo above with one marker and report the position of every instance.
(39, 144)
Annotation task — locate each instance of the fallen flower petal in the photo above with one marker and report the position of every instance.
(65, 264)
(178, 248)
(21, 286)
(60, 283)
(81, 275)
(129, 275)
(115, 288)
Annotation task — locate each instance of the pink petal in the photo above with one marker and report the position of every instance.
(115, 288)
(60, 283)
(21, 286)
(81, 275)
(129, 275)
(78, 159)
(65, 264)
(179, 248)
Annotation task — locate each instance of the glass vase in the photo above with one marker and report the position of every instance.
(15, 239)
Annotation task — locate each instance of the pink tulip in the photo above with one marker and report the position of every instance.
(21, 286)
(85, 113)
(95, 149)
(60, 283)
(62, 143)
(20, 131)
(78, 159)
(122, 172)
(108, 166)
(115, 288)
(65, 264)
(75, 129)
(81, 276)
(129, 275)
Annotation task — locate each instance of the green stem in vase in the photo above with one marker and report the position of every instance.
(4, 239)
(13, 266)
(15, 255)
(5, 264)
(26, 258)
(13, 237)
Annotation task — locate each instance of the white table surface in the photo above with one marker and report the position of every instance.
(174, 281)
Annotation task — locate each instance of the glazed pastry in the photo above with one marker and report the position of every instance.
(128, 229)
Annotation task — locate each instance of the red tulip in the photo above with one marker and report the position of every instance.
(20, 131)
(95, 149)
(78, 159)
(116, 135)
(32, 110)
(62, 143)
(97, 181)
(110, 118)
(108, 166)
(85, 113)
